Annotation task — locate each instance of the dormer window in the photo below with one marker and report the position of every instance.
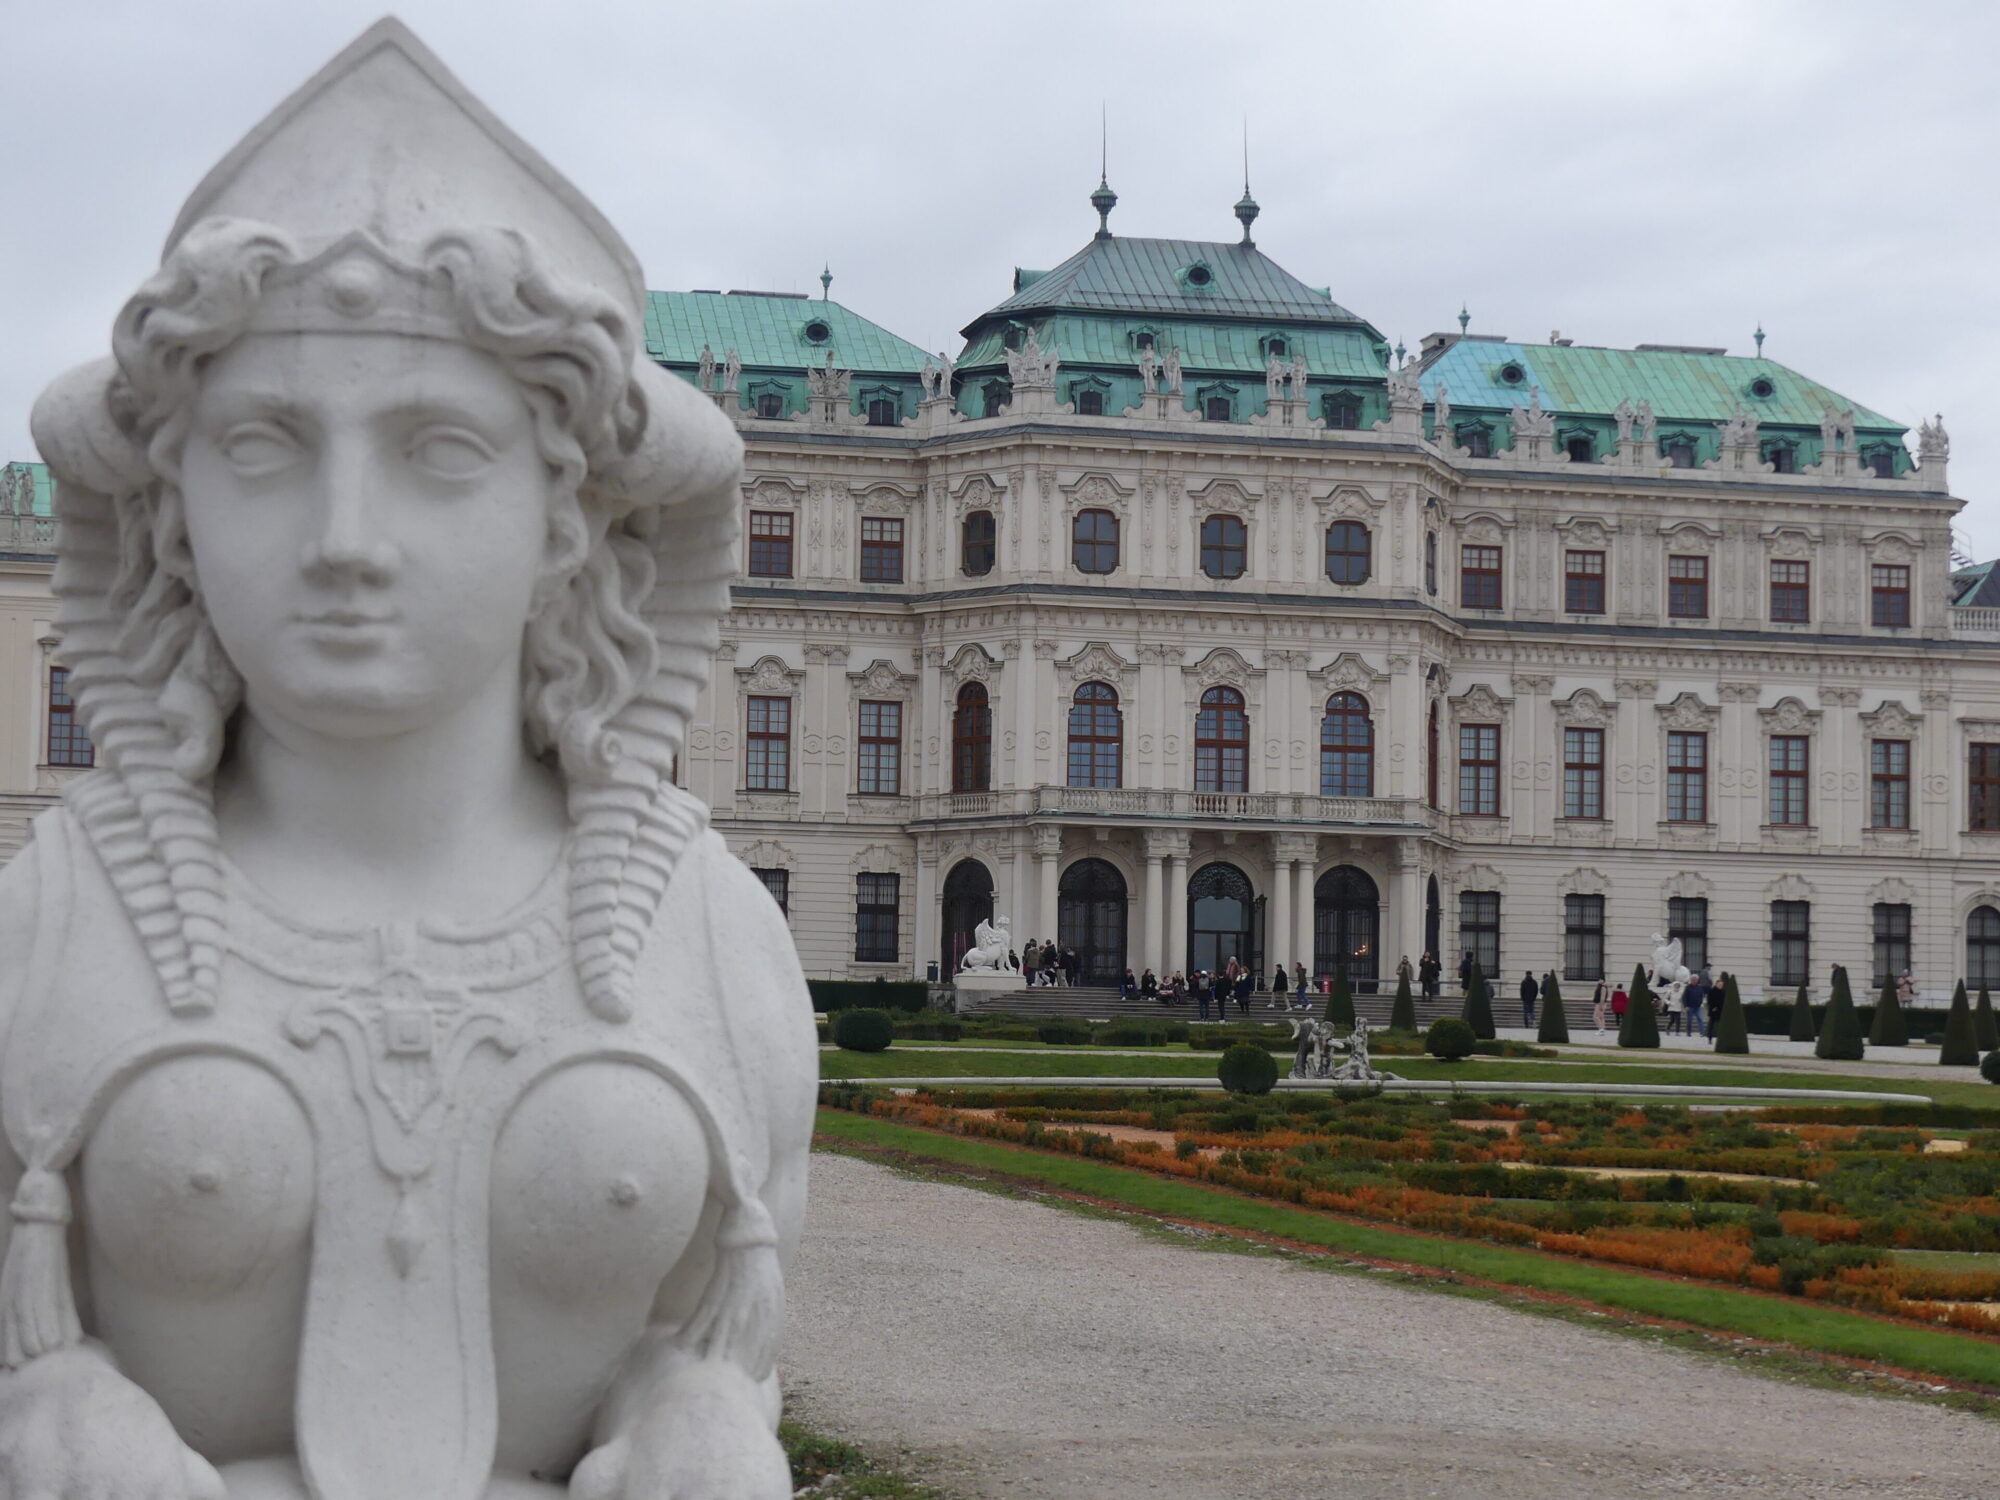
(1199, 275)
(1881, 462)
(1012, 338)
(882, 412)
(1581, 449)
(1783, 457)
(1512, 374)
(1276, 347)
(1476, 439)
(1763, 388)
(817, 332)
(1142, 341)
(1089, 403)
(770, 406)
(1678, 451)
(1342, 410)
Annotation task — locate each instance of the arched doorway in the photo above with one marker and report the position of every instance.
(1090, 917)
(1221, 920)
(1433, 920)
(968, 901)
(1347, 921)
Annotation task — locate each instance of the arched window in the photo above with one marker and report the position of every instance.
(972, 741)
(1982, 949)
(1089, 402)
(1094, 541)
(1223, 547)
(1346, 748)
(1348, 552)
(1276, 346)
(1222, 742)
(976, 544)
(770, 405)
(1096, 736)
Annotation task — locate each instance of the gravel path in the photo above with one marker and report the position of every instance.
(1037, 1352)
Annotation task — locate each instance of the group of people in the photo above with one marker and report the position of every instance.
(1049, 965)
(1693, 1012)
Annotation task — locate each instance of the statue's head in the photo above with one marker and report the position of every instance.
(380, 428)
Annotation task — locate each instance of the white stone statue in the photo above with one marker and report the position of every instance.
(1668, 976)
(1441, 432)
(1031, 365)
(827, 381)
(1276, 371)
(1149, 369)
(945, 370)
(928, 378)
(732, 369)
(1298, 377)
(1406, 390)
(1622, 417)
(1173, 370)
(404, 1093)
(705, 369)
(991, 943)
(1933, 442)
(1740, 431)
(1531, 421)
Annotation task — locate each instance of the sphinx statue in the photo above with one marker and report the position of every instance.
(404, 1095)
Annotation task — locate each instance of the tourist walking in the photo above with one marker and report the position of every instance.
(1465, 971)
(1530, 992)
(1072, 967)
(1428, 969)
(1906, 990)
(1404, 972)
(1598, 1002)
(1304, 980)
(1619, 1001)
(1201, 989)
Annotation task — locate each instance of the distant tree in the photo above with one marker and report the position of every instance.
(1641, 1026)
(1732, 1029)
(1890, 1027)
(1554, 1025)
(1478, 1013)
(1985, 1030)
(1340, 1002)
(1804, 1029)
(1961, 1040)
(1840, 1035)
(1403, 1014)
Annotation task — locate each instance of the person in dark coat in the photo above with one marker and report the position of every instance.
(1202, 988)
(1465, 970)
(1149, 985)
(1530, 991)
(1128, 986)
(1428, 969)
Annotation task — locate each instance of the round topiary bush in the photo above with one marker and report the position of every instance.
(863, 1030)
(1989, 1067)
(1450, 1039)
(1247, 1069)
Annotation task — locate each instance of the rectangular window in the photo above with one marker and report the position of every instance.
(1479, 577)
(881, 549)
(1479, 769)
(1583, 773)
(1583, 937)
(1889, 788)
(1583, 583)
(1791, 942)
(875, 918)
(1892, 941)
(1788, 780)
(1891, 590)
(1431, 563)
(69, 741)
(1687, 777)
(779, 884)
(1479, 929)
(1687, 588)
(1687, 919)
(770, 544)
(881, 750)
(1983, 789)
(768, 767)
(1791, 592)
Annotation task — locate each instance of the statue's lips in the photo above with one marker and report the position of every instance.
(347, 629)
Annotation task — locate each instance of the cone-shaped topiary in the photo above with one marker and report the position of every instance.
(1732, 1028)
(1985, 1030)
(1890, 1028)
(1449, 1039)
(1478, 1012)
(1340, 1003)
(1554, 1025)
(1641, 1026)
(1403, 1014)
(1804, 1029)
(1247, 1069)
(1961, 1043)
(1840, 1035)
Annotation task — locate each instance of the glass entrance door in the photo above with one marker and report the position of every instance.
(1347, 919)
(1090, 917)
(1220, 925)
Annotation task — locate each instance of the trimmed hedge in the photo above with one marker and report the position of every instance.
(1888, 1027)
(1063, 1033)
(1135, 1031)
(1450, 1038)
(1840, 1032)
(1801, 1024)
(1403, 1014)
(1989, 1067)
(1554, 1024)
(831, 995)
(1478, 1011)
(1960, 1048)
(1985, 1031)
(1731, 1035)
(861, 1030)
(1247, 1069)
(1641, 1026)
(1340, 1001)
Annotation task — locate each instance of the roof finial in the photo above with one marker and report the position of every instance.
(1759, 336)
(1402, 354)
(1246, 209)
(1103, 200)
(826, 282)
(1464, 318)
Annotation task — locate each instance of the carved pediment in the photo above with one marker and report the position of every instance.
(770, 676)
(1221, 667)
(1892, 722)
(1893, 891)
(883, 679)
(972, 664)
(1791, 887)
(773, 492)
(883, 498)
(1583, 881)
(1789, 716)
(977, 492)
(768, 854)
(881, 859)
(1483, 529)
(1096, 662)
(1479, 704)
(1892, 547)
(1789, 542)
(1349, 502)
(1223, 496)
(1688, 885)
(1348, 673)
(1587, 531)
(1481, 878)
(1688, 713)
(1584, 709)
(1691, 539)
(1098, 491)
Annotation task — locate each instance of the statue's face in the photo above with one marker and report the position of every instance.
(368, 514)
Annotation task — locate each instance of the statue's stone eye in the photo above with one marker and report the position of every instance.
(450, 452)
(258, 448)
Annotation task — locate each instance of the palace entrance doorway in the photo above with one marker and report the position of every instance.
(1090, 917)
(1347, 921)
(1222, 920)
(968, 901)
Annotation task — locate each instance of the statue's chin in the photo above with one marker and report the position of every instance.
(279, 1479)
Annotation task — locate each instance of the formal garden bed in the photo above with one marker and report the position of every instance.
(1846, 1207)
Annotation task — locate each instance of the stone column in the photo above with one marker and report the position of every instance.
(929, 916)
(1153, 910)
(1280, 928)
(1048, 854)
(1408, 919)
(1293, 857)
(1302, 912)
(1177, 885)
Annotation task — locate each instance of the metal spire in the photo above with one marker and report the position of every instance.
(826, 283)
(1760, 339)
(1464, 318)
(1103, 200)
(1246, 208)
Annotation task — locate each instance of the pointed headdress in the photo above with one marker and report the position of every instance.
(347, 190)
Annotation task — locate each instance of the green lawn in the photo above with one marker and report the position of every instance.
(1949, 1260)
(1803, 1325)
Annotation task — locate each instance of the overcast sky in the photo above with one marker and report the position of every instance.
(1624, 172)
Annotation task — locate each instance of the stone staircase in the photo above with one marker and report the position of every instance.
(1104, 1003)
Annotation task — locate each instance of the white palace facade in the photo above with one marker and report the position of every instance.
(1178, 617)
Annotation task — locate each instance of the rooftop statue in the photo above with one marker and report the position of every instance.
(425, 1088)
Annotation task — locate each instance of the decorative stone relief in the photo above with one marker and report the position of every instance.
(1222, 667)
(1097, 662)
(972, 664)
(882, 679)
(1223, 497)
(1479, 704)
(768, 854)
(1688, 713)
(1098, 492)
(1790, 543)
(1348, 673)
(770, 677)
(1583, 881)
(1688, 885)
(1789, 887)
(1789, 716)
(1891, 721)
(1583, 709)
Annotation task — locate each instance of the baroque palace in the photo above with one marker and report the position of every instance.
(1179, 618)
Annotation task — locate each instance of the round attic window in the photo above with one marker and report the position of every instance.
(1762, 388)
(1513, 374)
(817, 332)
(1199, 276)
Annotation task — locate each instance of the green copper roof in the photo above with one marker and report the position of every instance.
(1165, 278)
(1206, 348)
(771, 332)
(27, 489)
(1683, 386)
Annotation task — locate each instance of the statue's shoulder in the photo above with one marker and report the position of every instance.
(747, 931)
(34, 899)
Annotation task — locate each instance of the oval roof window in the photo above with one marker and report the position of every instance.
(817, 332)
(1513, 374)
(1199, 276)
(1763, 388)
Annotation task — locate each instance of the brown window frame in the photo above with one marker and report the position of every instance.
(1583, 585)
(1097, 729)
(881, 549)
(1687, 590)
(1483, 563)
(1479, 770)
(1687, 775)
(766, 746)
(1788, 797)
(878, 748)
(1791, 943)
(1086, 551)
(984, 547)
(68, 743)
(1791, 597)
(1982, 788)
(1347, 747)
(972, 740)
(1583, 774)
(1222, 742)
(770, 547)
(1889, 595)
(1889, 784)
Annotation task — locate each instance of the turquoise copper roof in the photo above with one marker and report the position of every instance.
(1175, 279)
(1347, 353)
(26, 489)
(771, 331)
(1682, 385)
